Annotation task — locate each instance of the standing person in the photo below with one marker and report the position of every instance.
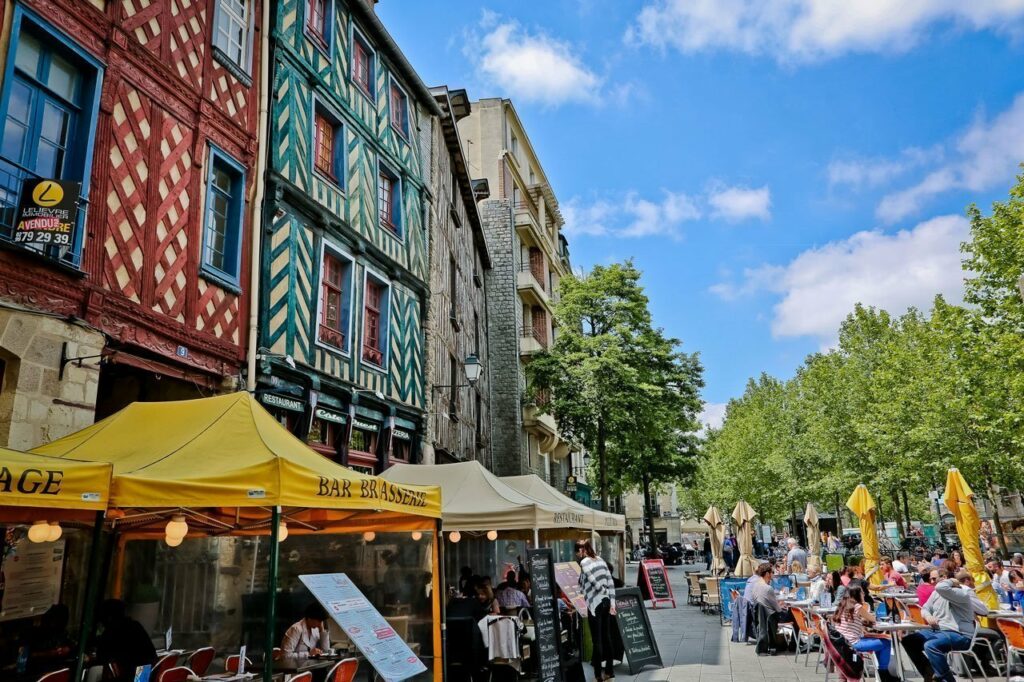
(796, 553)
(707, 550)
(309, 636)
(599, 590)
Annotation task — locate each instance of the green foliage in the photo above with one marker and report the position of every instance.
(618, 386)
(895, 403)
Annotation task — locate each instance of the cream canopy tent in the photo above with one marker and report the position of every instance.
(474, 499)
(599, 521)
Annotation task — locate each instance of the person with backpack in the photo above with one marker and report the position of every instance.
(850, 617)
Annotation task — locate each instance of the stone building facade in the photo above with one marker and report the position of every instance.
(146, 112)
(459, 422)
(529, 257)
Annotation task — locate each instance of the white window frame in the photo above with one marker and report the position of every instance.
(328, 247)
(246, 22)
(370, 273)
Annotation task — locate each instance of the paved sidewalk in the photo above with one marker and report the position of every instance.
(696, 648)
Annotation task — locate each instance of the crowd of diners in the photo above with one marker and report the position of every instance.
(942, 588)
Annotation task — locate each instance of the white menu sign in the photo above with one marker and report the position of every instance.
(389, 655)
(32, 574)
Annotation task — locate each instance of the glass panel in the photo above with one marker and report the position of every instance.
(28, 54)
(62, 78)
(222, 180)
(14, 140)
(20, 103)
(54, 124)
(49, 159)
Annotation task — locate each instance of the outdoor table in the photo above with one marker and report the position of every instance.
(292, 665)
(1002, 613)
(225, 677)
(895, 629)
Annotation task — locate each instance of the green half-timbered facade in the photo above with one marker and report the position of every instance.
(344, 250)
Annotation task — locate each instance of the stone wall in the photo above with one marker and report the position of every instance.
(504, 319)
(36, 406)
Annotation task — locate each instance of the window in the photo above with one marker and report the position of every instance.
(328, 145)
(514, 146)
(375, 321)
(335, 287)
(453, 383)
(479, 410)
(222, 233)
(399, 109)
(453, 288)
(325, 436)
(389, 199)
(363, 440)
(363, 66)
(318, 23)
(231, 32)
(51, 89)
(401, 449)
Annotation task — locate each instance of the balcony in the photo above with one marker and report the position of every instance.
(542, 425)
(531, 341)
(531, 290)
(528, 226)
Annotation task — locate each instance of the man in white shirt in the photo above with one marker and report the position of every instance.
(900, 563)
(1000, 578)
(308, 637)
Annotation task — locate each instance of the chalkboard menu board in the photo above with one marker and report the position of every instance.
(545, 615)
(637, 638)
(654, 582)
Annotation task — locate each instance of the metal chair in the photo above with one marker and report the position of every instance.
(693, 594)
(712, 598)
(344, 671)
(178, 674)
(1013, 630)
(231, 663)
(302, 677)
(960, 657)
(805, 632)
(166, 662)
(200, 660)
(63, 675)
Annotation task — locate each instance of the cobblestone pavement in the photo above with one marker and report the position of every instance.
(696, 648)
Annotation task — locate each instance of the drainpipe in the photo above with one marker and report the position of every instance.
(263, 134)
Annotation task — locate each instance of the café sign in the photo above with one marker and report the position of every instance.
(330, 415)
(47, 213)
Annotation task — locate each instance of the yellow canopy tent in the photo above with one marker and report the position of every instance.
(744, 516)
(813, 537)
(36, 487)
(959, 499)
(863, 505)
(230, 468)
(717, 533)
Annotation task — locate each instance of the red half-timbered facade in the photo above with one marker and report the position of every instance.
(153, 106)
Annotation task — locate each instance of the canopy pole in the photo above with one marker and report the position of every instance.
(273, 555)
(440, 599)
(91, 594)
(536, 539)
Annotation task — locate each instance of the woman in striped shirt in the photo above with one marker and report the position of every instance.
(599, 591)
(850, 617)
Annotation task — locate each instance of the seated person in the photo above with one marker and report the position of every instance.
(890, 574)
(49, 645)
(124, 644)
(485, 598)
(951, 613)
(850, 618)
(762, 594)
(509, 596)
(309, 636)
(929, 576)
(817, 585)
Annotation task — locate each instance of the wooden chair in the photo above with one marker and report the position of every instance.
(200, 660)
(231, 663)
(712, 598)
(63, 675)
(344, 671)
(178, 674)
(693, 594)
(166, 662)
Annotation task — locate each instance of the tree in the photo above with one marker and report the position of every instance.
(617, 385)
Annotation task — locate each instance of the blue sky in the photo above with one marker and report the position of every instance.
(767, 163)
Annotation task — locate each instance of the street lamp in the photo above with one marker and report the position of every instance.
(473, 369)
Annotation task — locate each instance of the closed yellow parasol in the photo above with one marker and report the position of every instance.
(744, 516)
(717, 532)
(863, 505)
(959, 499)
(813, 538)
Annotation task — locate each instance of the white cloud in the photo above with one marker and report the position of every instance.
(632, 216)
(529, 66)
(859, 173)
(740, 203)
(712, 415)
(984, 156)
(806, 30)
(820, 286)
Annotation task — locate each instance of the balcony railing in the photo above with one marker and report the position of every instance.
(12, 176)
(528, 206)
(539, 276)
(528, 331)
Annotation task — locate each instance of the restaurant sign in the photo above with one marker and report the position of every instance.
(365, 426)
(47, 212)
(330, 416)
(402, 435)
(282, 402)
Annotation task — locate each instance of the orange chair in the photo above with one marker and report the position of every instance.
(231, 663)
(806, 632)
(344, 671)
(819, 628)
(63, 675)
(200, 660)
(179, 674)
(302, 677)
(1013, 630)
(166, 662)
(915, 614)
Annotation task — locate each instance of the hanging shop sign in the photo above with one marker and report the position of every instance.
(47, 212)
(570, 484)
(365, 426)
(330, 415)
(283, 402)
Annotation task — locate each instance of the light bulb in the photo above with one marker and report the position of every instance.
(282, 531)
(173, 542)
(176, 527)
(369, 536)
(417, 536)
(55, 532)
(455, 536)
(492, 535)
(39, 532)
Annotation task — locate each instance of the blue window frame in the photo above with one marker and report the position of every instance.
(363, 65)
(48, 107)
(319, 26)
(222, 228)
(328, 144)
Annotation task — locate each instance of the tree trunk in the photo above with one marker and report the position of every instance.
(602, 463)
(996, 522)
(906, 511)
(899, 517)
(649, 512)
(839, 518)
(879, 518)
